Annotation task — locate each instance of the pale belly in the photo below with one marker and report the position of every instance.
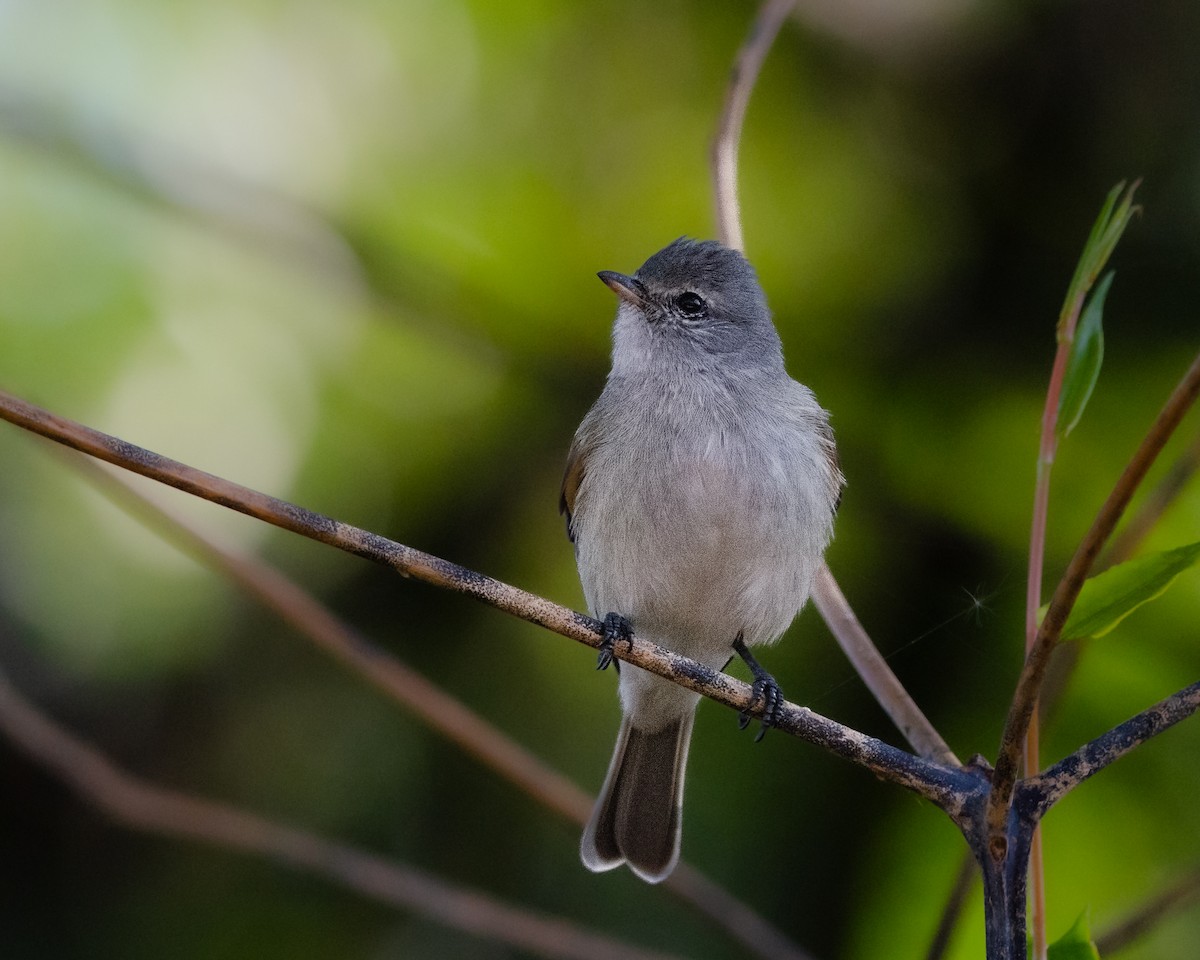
(697, 557)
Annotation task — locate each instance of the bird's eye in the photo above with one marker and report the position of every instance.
(692, 304)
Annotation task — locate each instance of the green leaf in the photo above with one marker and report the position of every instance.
(1087, 354)
(1075, 944)
(1109, 597)
(1106, 231)
(1086, 257)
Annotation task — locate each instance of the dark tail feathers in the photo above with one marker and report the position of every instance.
(638, 816)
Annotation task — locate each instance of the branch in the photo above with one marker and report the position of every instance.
(1150, 915)
(287, 516)
(1030, 681)
(946, 787)
(1059, 780)
(771, 17)
(1105, 234)
(875, 672)
(146, 806)
(738, 920)
(1126, 543)
(826, 595)
(432, 705)
(956, 902)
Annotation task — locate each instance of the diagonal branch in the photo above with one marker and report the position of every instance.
(1030, 682)
(947, 787)
(909, 719)
(1123, 545)
(146, 806)
(1126, 543)
(827, 597)
(1132, 928)
(1057, 781)
(405, 560)
(436, 708)
(771, 18)
(956, 903)
(431, 704)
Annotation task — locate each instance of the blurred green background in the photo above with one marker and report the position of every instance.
(345, 254)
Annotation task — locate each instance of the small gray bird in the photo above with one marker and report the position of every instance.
(699, 492)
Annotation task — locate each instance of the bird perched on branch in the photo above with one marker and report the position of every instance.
(700, 492)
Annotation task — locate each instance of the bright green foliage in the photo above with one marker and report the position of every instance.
(1109, 597)
(1086, 336)
(1101, 242)
(1075, 944)
(1087, 354)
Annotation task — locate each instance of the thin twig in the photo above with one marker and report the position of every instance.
(964, 881)
(734, 916)
(1047, 448)
(827, 596)
(436, 708)
(1057, 781)
(1126, 543)
(875, 672)
(311, 619)
(1150, 915)
(1030, 681)
(146, 806)
(1103, 239)
(771, 17)
(405, 560)
(948, 788)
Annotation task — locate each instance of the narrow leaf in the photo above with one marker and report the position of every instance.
(1087, 354)
(1112, 234)
(1075, 944)
(1106, 231)
(1093, 241)
(1109, 597)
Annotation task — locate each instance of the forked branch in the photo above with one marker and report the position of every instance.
(1033, 673)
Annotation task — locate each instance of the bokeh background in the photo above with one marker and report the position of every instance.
(345, 254)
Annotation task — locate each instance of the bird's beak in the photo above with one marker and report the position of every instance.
(629, 289)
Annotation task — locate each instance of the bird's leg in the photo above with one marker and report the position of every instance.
(765, 688)
(616, 627)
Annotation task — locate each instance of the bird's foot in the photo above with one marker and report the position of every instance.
(765, 688)
(616, 627)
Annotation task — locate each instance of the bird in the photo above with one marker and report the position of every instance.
(700, 492)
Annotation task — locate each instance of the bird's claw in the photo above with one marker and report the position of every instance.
(767, 690)
(616, 627)
(764, 689)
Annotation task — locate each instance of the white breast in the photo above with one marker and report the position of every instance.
(705, 536)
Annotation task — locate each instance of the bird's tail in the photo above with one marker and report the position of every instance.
(637, 819)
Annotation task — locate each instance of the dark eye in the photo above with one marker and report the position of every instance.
(692, 304)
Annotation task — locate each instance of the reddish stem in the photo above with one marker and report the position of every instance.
(1047, 449)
